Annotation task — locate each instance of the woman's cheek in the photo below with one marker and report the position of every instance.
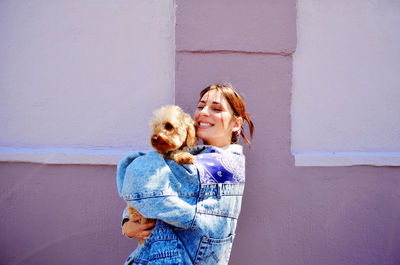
(196, 115)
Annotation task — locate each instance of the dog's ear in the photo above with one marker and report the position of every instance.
(191, 139)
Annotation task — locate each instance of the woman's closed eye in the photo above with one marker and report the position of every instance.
(217, 107)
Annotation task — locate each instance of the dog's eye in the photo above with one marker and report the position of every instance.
(168, 126)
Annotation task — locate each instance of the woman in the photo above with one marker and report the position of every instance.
(196, 206)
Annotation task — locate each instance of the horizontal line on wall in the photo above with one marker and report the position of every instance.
(63, 156)
(233, 52)
(334, 159)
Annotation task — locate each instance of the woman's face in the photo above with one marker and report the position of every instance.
(214, 119)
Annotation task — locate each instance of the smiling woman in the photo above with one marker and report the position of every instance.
(220, 114)
(196, 205)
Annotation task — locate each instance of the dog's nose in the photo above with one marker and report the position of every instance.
(154, 139)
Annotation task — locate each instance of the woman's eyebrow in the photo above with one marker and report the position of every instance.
(213, 103)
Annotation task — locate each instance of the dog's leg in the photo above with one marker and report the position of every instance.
(182, 157)
(132, 212)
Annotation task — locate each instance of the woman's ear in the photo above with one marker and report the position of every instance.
(237, 124)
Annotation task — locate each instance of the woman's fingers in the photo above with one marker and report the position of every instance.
(149, 225)
(134, 229)
(135, 218)
(146, 233)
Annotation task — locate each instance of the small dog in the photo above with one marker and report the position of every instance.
(173, 132)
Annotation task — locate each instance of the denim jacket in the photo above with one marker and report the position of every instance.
(196, 205)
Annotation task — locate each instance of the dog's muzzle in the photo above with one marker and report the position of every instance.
(154, 140)
(161, 144)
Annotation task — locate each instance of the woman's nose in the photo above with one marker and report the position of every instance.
(204, 111)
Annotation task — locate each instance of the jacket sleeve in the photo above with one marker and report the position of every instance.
(159, 188)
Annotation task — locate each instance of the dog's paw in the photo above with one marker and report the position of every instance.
(183, 157)
(132, 212)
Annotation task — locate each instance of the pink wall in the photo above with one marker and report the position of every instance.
(60, 214)
(346, 215)
(291, 215)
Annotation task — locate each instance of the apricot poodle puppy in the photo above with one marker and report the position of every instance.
(173, 132)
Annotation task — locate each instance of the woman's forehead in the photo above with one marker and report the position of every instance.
(214, 96)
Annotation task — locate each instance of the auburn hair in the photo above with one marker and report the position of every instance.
(237, 104)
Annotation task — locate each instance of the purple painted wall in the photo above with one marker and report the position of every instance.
(315, 215)
(54, 214)
(347, 215)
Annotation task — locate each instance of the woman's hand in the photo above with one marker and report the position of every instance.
(134, 229)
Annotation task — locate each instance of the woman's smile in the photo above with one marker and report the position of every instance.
(204, 124)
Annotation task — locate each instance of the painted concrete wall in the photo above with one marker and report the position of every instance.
(291, 215)
(60, 214)
(346, 83)
(82, 76)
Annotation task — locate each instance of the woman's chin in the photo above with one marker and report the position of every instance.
(202, 138)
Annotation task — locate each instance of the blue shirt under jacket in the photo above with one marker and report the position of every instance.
(196, 206)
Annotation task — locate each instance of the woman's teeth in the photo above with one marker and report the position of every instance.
(205, 124)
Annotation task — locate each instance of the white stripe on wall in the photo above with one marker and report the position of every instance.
(64, 156)
(347, 159)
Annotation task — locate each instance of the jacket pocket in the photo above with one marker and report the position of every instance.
(214, 251)
(165, 251)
